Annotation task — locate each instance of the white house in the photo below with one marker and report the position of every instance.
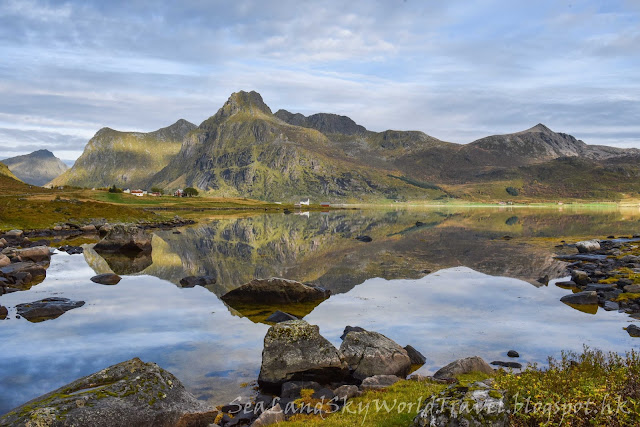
(127, 190)
(304, 202)
(138, 193)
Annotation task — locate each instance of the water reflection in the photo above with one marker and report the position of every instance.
(382, 285)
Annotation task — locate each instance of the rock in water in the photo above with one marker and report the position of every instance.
(588, 246)
(416, 357)
(106, 279)
(46, 309)
(295, 351)
(633, 330)
(514, 365)
(3, 312)
(275, 291)
(464, 366)
(472, 405)
(371, 353)
(581, 298)
(192, 281)
(513, 353)
(132, 393)
(35, 254)
(122, 238)
(580, 277)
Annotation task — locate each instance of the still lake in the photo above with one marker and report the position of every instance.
(450, 282)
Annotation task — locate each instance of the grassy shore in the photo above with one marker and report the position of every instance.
(591, 388)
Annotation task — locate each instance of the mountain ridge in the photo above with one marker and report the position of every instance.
(36, 168)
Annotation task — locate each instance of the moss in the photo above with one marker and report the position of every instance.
(626, 296)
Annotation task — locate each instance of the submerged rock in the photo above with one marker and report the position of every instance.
(132, 393)
(371, 353)
(464, 366)
(106, 279)
(295, 351)
(46, 309)
(275, 291)
(192, 281)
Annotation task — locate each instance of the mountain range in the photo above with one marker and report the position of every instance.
(246, 150)
(36, 168)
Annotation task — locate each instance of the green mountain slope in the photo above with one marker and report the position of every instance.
(36, 168)
(126, 159)
(245, 150)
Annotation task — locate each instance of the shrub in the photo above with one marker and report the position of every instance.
(513, 191)
(115, 189)
(190, 192)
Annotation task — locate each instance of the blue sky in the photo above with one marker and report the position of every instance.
(457, 70)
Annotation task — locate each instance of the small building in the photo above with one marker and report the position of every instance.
(305, 202)
(156, 194)
(138, 193)
(325, 204)
(127, 190)
(179, 193)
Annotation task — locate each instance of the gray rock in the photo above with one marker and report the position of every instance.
(464, 366)
(280, 316)
(192, 281)
(611, 306)
(371, 353)
(275, 291)
(122, 238)
(14, 233)
(582, 257)
(567, 284)
(633, 330)
(634, 289)
(46, 309)
(294, 351)
(581, 278)
(365, 239)
(348, 329)
(379, 382)
(89, 229)
(588, 246)
(416, 357)
(513, 353)
(600, 287)
(271, 416)
(346, 392)
(465, 406)
(581, 298)
(106, 279)
(131, 393)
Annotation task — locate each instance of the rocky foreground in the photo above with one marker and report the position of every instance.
(605, 273)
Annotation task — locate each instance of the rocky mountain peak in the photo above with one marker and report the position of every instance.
(326, 123)
(539, 128)
(250, 102)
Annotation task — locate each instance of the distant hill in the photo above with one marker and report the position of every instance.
(126, 159)
(245, 150)
(10, 184)
(36, 168)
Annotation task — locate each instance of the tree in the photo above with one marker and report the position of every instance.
(157, 190)
(190, 192)
(115, 189)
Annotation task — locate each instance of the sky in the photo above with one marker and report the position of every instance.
(455, 69)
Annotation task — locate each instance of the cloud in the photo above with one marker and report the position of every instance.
(456, 70)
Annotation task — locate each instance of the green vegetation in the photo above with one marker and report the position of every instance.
(416, 183)
(587, 388)
(513, 191)
(190, 192)
(114, 189)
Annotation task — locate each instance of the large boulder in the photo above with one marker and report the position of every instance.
(24, 274)
(371, 353)
(35, 254)
(465, 405)
(275, 291)
(46, 309)
(295, 351)
(463, 366)
(378, 382)
(131, 393)
(588, 246)
(123, 238)
(581, 298)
